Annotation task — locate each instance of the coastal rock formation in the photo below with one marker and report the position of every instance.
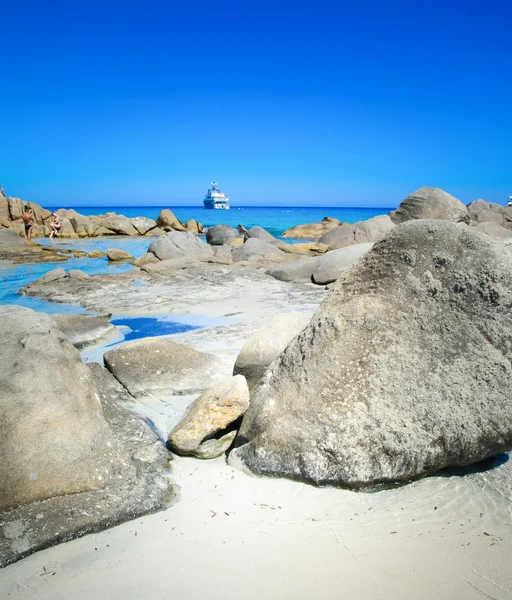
(267, 343)
(143, 224)
(52, 419)
(321, 269)
(332, 264)
(403, 370)
(160, 367)
(15, 249)
(218, 235)
(84, 331)
(222, 255)
(146, 259)
(430, 203)
(255, 249)
(261, 234)
(168, 220)
(119, 224)
(361, 232)
(178, 244)
(494, 230)
(312, 230)
(211, 422)
(113, 254)
(484, 212)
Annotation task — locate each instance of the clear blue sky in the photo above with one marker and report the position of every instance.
(308, 103)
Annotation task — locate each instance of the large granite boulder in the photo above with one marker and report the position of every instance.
(481, 211)
(430, 203)
(53, 437)
(159, 367)
(255, 249)
(372, 229)
(120, 225)
(178, 244)
(143, 224)
(261, 234)
(209, 427)
(85, 331)
(404, 369)
(312, 230)
(218, 235)
(168, 220)
(267, 343)
(338, 237)
(332, 264)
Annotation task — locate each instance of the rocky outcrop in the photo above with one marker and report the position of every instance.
(299, 270)
(143, 224)
(332, 264)
(168, 220)
(52, 419)
(222, 255)
(211, 422)
(159, 367)
(361, 232)
(113, 254)
(312, 230)
(404, 369)
(85, 331)
(430, 203)
(494, 230)
(267, 343)
(255, 249)
(146, 259)
(178, 244)
(15, 249)
(219, 235)
(261, 234)
(120, 225)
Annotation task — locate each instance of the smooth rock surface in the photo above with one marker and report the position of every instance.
(113, 254)
(84, 331)
(332, 264)
(159, 367)
(168, 220)
(312, 230)
(297, 270)
(267, 343)
(218, 235)
(143, 224)
(430, 203)
(403, 370)
(177, 244)
(209, 426)
(255, 249)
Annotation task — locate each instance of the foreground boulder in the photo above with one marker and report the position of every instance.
(404, 369)
(178, 244)
(157, 366)
(267, 343)
(218, 235)
(54, 439)
(430, 203)
(210, 424)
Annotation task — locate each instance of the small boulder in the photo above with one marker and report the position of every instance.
(267, 343)
(97, 254)
(168, 220)
(177, 244)
(78, 274)
(297, 270)
(120, 225)
(312, 230)
(52, 275)
(255, 249)
(218, 235)
(332, 264)
(430, 203)
(158, 366)
(114, 254)
(145, 259)
(143, 224)
(210, 424)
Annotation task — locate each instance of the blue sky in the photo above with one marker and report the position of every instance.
(284, 103)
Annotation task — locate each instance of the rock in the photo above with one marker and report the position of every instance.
(332, 264)
(77, 274)
(81, 224)
(267, 343)
(404, 369)
(177, 244)
(121, 225)
(114, 254)
(146, 259)
(481, 211)
(84, 331)
(210, 424)
(14, 249)
(167, 220)
(255, 249)
(220, 235)
(312, 230)
(52, 419)
(430, 203)
(191, 226)
(222, 255)
(157, 366)
(297, 270)
(372, 229)
(261, 234)
(67, 230)
(493, 230)
(10, 238)
(339, 237)
(16, 208)
(52, 275)
(97, 254)
(156, 232)
(5, 216)
(99, 231)
(140, 485)
(200, 228)
(143, 224)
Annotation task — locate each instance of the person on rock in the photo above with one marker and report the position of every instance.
(28, 220)
(55, 224)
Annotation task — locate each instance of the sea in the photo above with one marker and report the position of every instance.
(276, 220)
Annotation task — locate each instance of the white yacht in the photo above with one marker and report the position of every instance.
(509, 203)
(215, 198)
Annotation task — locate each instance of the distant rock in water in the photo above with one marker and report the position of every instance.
(403, 370)
(430, 203)
(312, 230)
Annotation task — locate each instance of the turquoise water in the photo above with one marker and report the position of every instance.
(275, 219)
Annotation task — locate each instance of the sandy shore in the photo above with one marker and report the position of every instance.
(234, 536)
